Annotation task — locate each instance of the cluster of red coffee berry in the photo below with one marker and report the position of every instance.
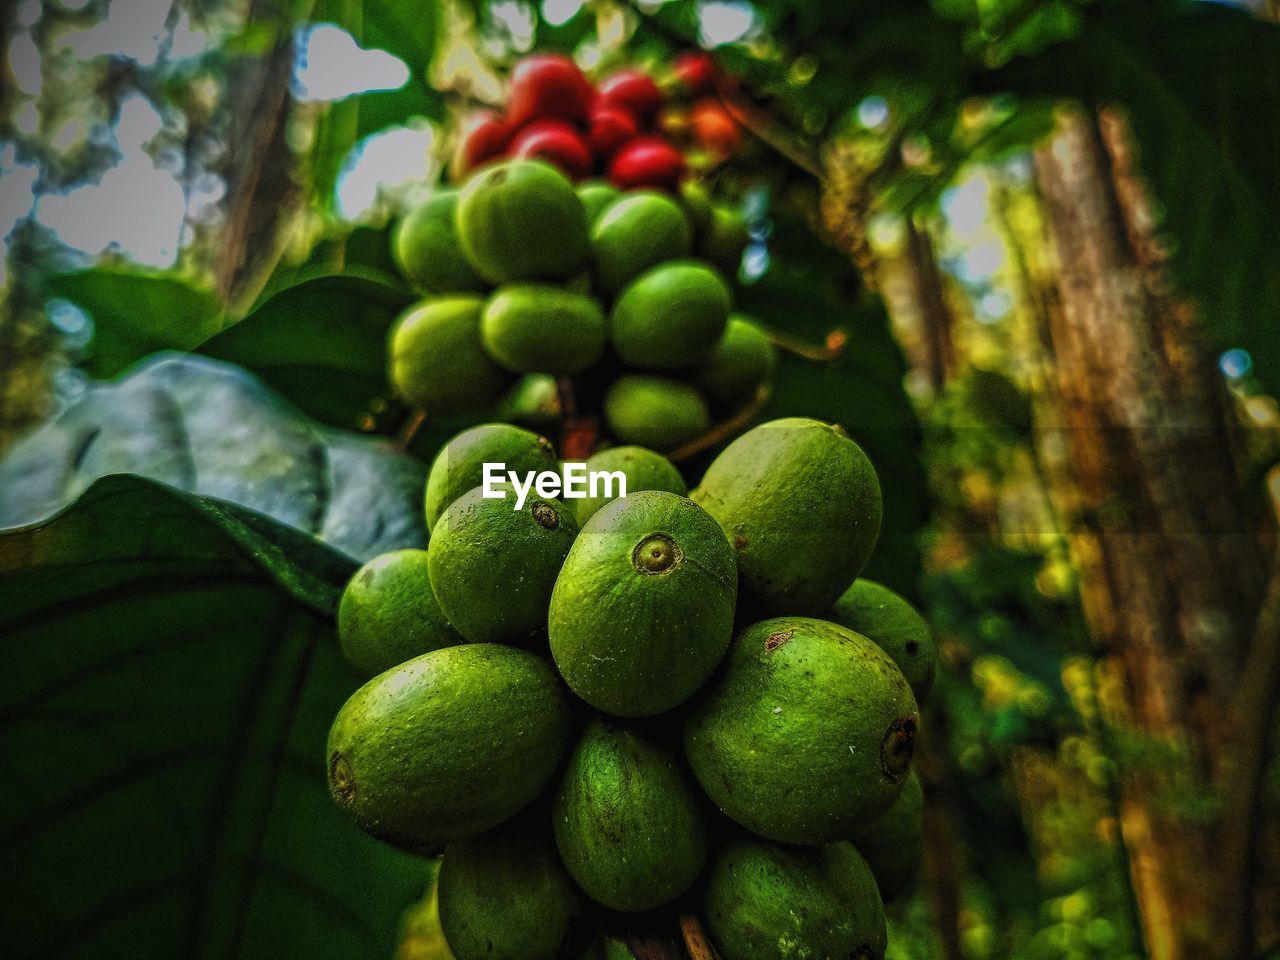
(631, 128)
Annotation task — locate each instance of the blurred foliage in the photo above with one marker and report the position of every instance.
(137, 312)
(1032, 785)
(409, 30)
(321, 342)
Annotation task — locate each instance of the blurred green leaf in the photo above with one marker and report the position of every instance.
(677, 18)
(136, 312)
(320, 338)
(337, 131)
(383, 108)
(567, 36)
(174, 674)
(409, 29)
(211, 428)
(404, 29)
(362, 250)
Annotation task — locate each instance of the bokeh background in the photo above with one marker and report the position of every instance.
(1028, 249)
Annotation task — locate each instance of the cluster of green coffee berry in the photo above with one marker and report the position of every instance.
(605, 706)
(528, 276)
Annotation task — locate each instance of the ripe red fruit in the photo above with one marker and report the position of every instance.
(548, 85)
(610, 129)
(696, 72)
(633, 91)
(647, 162)
(485, 136)
(715, 128)
(557, 143)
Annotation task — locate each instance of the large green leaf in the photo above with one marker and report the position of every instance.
(321, 341)
(136, 312)
(1197, 82)
(363, 251)
(211, 428)
(172, 677)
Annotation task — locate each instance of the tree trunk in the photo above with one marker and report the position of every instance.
(1172, 563)
(935, 314)
(261, 188)
(942, 855)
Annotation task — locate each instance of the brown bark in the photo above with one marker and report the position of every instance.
(942, 856)
(695, 939)
(931, 301)
(1244, 891)
(261, 188)
(1172, 563)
